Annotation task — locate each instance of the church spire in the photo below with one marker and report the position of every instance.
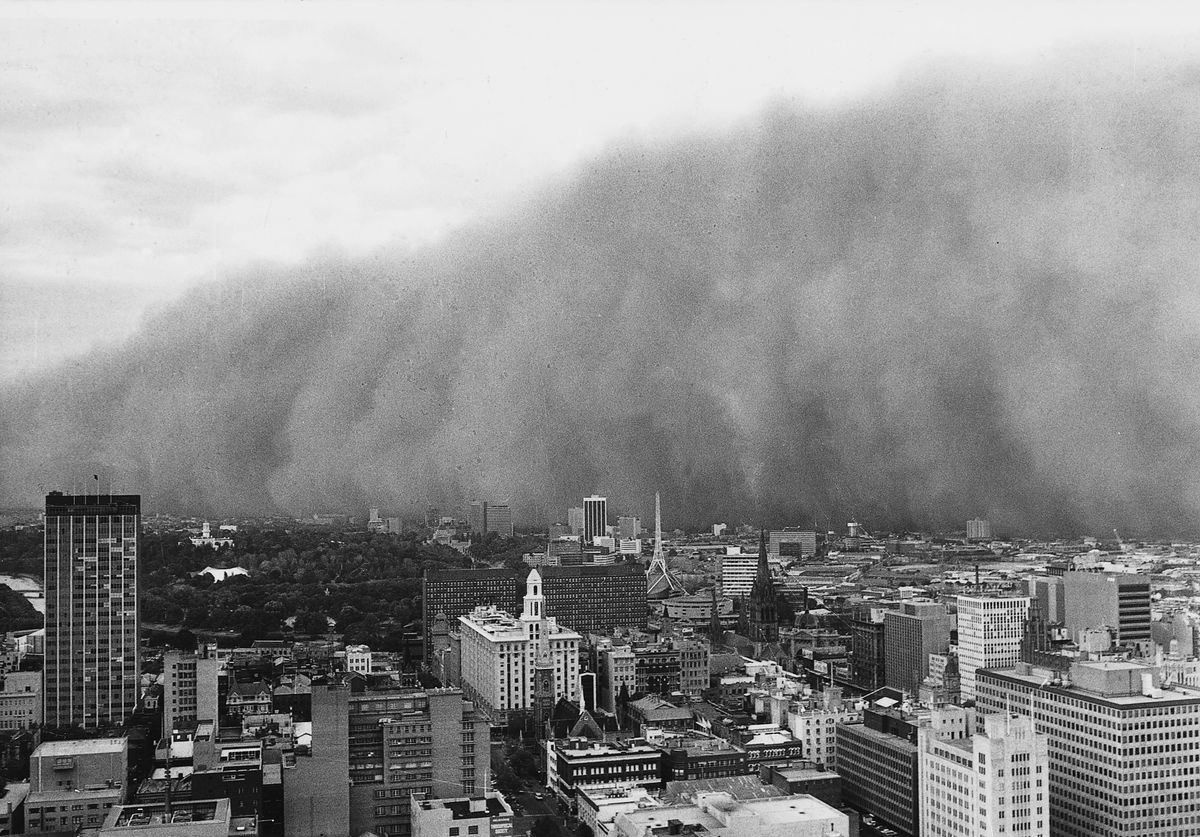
(764, 620)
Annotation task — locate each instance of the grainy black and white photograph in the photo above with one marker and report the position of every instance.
(599, 419)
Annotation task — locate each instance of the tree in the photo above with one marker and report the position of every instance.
(311, 622)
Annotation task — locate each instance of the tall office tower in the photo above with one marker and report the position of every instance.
(575, 520)
(587, 598)
(763, 616)
(979, 530)
(1048, 590)
(500, 653)
(372, 751)
(737, 575)
(629, 528)
(1119, 600)
(1122, 752)
(991, 782)
(477, 517)
(189, 689)
(500, 520)
(867, 660)
(910, 634)
(990, 631)
(595, 518)
(91, 670)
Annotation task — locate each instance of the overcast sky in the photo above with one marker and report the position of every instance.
(141, 154)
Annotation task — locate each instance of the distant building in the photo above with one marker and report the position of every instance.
(718, 529)
(206, 538)
(477, 517)
(500, 520)
(911, 633)
(979, 530)
(794, 543)
(91, 671)
(358, 658)
(629, 528)
(575, 520)
(595, 518)
(987, 783)
(1118, 600)
(989, 635)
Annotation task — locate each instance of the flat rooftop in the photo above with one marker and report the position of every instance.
(142, 816)
(79, 747)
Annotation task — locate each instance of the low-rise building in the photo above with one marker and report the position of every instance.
(463, 816)
(577, 763)
(21, 700)
(721, 815)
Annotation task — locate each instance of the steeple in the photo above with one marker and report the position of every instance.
(763, 621)
(715, 632)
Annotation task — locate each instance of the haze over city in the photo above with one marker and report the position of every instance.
(792, 264)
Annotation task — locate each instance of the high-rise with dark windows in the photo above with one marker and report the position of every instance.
(91, 551)
(595, 518)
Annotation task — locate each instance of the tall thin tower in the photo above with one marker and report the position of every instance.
(91, 672)
(660, 582)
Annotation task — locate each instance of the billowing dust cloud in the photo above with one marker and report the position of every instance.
(974, 296)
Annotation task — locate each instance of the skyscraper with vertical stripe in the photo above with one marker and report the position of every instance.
(92, 667)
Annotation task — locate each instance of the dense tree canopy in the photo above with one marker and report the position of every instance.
(368, 584)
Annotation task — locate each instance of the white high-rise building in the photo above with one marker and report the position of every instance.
(979, 529)
(499, 654)
(1122, 750)
(814, 722)
(995, 782)
(737, 574)
(989, 635)
(575, 520)
(190, 684)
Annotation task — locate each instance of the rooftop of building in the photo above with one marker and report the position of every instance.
(1117, 683)
(803, 772)
(718, 811)
(159, 816)
(500, 625)
(580, 748)
(470, 807)
(80, 747)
